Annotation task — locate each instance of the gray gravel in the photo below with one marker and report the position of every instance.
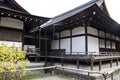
(52, 78)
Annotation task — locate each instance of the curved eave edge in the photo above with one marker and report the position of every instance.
(72, 12)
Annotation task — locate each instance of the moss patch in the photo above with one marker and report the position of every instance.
(35, 76)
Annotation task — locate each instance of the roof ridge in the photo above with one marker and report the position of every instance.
(81, 6)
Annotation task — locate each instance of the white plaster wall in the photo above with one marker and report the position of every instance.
(93, 45)
(117, 38)
(55, 44)
(108, 44)
(65, 33)
(78, 44)
(65, 44)
(107, 35)
(113, 45)
(78, 30)
(102, 43)
(11, 23)
(113, 37)
(92, 31)
(101, 34)
(10, 43)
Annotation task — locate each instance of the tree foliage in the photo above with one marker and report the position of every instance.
(12, 60)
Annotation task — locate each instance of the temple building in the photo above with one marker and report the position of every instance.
(16, 23)
(87, 28)
(83, 34)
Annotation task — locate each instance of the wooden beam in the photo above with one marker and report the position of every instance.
(45, 49)
(62, 62)
(77, 64)
(117, 60)
(78, 61)
(112, 76)
(105, 42)
(70, 41)
(100, 64)
(23, 38)
(111, 63)
(91, 63)
(59, 40)
(86, 41)
(99, 40)
(111, 42)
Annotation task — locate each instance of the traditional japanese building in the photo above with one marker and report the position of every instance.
(81, 34)
(16, 23)
(87, 28)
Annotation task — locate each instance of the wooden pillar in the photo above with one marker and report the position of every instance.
(70, 41)
(99, 40)
(46, 49)
(77, 64)
(100, 64)
(111, 63)
(23, 38)
(88, 75)
(59, 40)
(39, 38)
(78, 61)
(117, 60)
(86, 40)
(62, 62)
(111, 42)
(92, 63)
(105, 42)
(112, 76)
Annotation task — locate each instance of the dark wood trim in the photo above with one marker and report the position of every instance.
(93, 35)
(45, 49)
(59, 40)
(100, 65)
(86, 40)
(111, 42)
(3, 27)
(105, 42)
(98, 40)
(70, 36)
(71, 41)
(23, 38)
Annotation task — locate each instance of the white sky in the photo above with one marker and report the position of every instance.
(51, 8)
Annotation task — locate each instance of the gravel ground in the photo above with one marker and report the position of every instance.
(53, 78)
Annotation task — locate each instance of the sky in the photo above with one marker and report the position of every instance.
(51, 8)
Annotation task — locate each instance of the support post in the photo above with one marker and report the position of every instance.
(62, 61)
(111, 76)
(39, 43)
(100, 64)
(105, 43)
(77, 64)
(86, 41)
(88, 75)
(92, 63)
(59, 41)
(71, 41)
(77, 60)
(45, 49)
(111, 63)
(117, 60)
